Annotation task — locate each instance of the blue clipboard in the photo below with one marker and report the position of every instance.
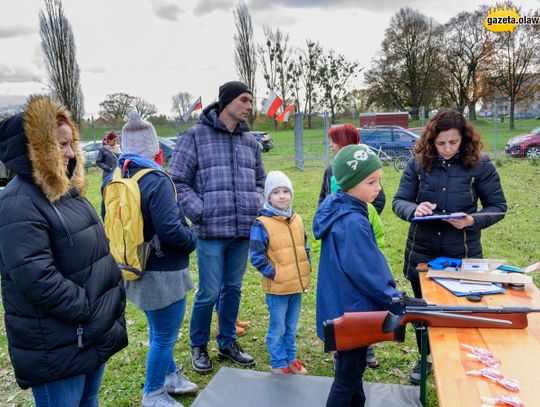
(436, 217)
(460, 289)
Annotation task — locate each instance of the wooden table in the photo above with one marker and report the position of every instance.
(518, 349)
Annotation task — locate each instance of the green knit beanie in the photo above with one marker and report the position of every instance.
(353, 164)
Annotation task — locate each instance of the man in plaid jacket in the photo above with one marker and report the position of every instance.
(219, 175)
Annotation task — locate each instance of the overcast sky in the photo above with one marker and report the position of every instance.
(156, 48)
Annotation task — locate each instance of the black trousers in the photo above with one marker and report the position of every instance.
(347, 389)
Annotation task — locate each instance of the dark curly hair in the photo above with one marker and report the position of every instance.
(446, 119)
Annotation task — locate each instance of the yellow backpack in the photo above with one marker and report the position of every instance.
(124, 223)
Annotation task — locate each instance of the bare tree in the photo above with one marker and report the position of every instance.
(116, 106)
(302, 76)
(293, 77)
(384, 91)
(58, 45)
(144, 107)
(468, 46)
(245, 55)
(274, 57)
(407, 72)
(357, 101)
(516, 64)
(334, 75)
(181, 102)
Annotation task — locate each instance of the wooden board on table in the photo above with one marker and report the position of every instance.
(518, 349)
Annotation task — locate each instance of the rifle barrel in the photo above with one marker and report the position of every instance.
(472, 310)
(464, 317)
(474, 215)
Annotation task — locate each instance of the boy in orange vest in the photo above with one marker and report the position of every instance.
(278, 249)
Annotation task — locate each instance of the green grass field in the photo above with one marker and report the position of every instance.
(515, 239)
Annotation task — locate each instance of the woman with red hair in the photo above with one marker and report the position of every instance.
(340, 136)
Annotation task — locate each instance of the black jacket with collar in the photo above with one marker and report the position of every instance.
(454, 189)
(62, 293)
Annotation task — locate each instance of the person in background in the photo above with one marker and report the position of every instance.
(349, 254)
(341, 136)
(62, 292)
(278, 249)
(161, 291)
(219, 176)
(108, 155)
(449, 174)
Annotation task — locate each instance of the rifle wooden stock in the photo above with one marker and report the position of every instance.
(357, 329)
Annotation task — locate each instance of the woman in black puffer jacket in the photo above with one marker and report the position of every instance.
(62, 292)
(449, 174)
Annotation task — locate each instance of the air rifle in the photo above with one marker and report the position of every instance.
(357, 329)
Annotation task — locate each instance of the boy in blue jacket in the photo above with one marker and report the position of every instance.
(353, 273)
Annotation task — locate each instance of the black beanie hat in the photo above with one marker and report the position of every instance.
(230, 91)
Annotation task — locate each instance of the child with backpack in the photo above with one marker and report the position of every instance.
(278, 249)
(141, 212)
(349, 255)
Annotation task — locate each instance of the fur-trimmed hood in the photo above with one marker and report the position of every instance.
(29, 147)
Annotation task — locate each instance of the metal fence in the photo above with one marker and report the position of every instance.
(318, 151)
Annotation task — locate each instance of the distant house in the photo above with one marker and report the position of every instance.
(527, 109)
(100, 121)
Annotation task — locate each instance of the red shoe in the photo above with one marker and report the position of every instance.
(297, 368)
(282, 370)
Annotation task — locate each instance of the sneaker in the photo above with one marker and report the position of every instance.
(414, 376)
(159, 398)
(297, 368)
(371, 358)
(178, 383)
(200, 361)
(235, 353)
(243, 324)
(282, 370)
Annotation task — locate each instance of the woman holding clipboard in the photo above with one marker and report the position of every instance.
(448, 175)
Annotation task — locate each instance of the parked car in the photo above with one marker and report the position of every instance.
(416, 130)
(524, 145)
(392, 140)
(5, 176)
(167, 146)
(173, 139)
(381, 126)
(91, 150)
(265, 141)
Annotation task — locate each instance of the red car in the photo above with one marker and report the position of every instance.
(524, 145)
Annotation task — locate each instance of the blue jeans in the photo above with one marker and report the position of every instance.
(222, 264)
(280, 340)
(163, 327)
(76, 391)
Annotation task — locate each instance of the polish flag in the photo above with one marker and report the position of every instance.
(284, 116)
(272, 104)
(195, 106)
